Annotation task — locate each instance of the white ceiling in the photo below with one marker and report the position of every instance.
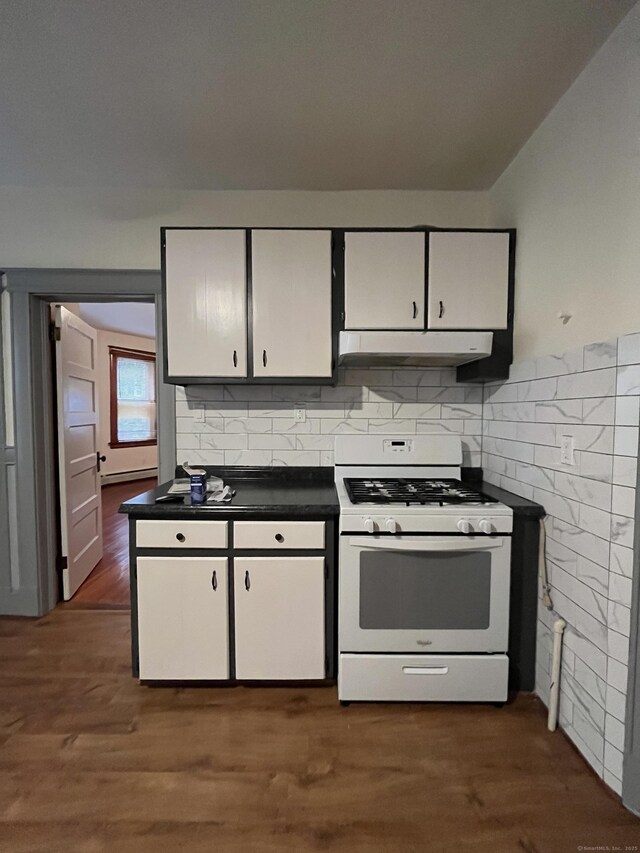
(283, 94)
(129, 318)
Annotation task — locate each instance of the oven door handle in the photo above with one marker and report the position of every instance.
(403, 543)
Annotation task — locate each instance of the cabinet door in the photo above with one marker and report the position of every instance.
(384, 276)
(291, 296)
(183, 617)
(279, 612)
(468, 281)
(206, 302)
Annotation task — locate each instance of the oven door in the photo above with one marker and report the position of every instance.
(424, 594)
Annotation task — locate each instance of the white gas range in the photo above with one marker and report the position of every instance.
(424, 567)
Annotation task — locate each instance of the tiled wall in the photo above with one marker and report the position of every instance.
(592, 394)
(254, 425)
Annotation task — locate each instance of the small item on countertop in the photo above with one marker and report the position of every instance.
(198, 483)
(224, 495)
(169, 498)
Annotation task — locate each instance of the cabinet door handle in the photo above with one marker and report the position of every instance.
(235, 358)
(247, 581)
(214, 581)
(441, 312)
(264, 358)
(415, 310)
(180, 537)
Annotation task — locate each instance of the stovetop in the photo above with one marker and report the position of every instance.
(388, 491)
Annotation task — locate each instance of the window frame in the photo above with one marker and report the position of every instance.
(114, 354)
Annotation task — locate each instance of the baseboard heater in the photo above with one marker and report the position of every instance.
(124, 476)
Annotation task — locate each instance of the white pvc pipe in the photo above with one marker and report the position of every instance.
(558, 627)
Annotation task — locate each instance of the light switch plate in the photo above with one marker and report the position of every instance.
(300, 413)
(566, 450)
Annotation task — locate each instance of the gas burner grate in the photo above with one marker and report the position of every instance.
(425, 492)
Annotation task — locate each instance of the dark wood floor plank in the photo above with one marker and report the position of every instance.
(92, 761)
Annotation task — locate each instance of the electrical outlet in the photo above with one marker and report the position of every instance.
(300, 413)
(566, 450)
(199, 414)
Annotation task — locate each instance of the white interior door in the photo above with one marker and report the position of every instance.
(291, 281)
(279, 617)
(384, 275)
(206, 293)
(183, 618)
(77, 400)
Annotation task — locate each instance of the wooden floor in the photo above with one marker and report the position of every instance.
(108, 583)
(90, 761)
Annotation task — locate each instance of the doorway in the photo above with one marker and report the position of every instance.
(104, 357)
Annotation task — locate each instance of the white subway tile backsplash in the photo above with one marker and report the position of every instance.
(629, 380)
(620, 589)
(600, 355)
(598, 410)
(593, 395)
(626, 441)
(622, 530)
(563, 411)
(616, 703)
(618, 646)
(614, 732)
(623, 501)
(625, 471)
(593, 383)
(558, 365)
(621, 560)
(628, 411)
(629, 349)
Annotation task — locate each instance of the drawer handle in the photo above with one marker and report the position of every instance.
(279, 537)
(425, 670)
(235, 358)
(264, 358)
(247, 581)
(214, 581)
(180, 537)
(441, 311)
(415, 310)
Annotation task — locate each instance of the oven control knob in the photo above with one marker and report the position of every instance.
(464, 525)
(369, 525)
(392, 525)
(486, 526)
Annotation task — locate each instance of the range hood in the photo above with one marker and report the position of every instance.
(418, 349)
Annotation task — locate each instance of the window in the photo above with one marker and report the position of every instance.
(133, 398)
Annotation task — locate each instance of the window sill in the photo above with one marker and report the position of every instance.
(119, 445)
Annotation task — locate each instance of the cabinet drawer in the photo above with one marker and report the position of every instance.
(181, 534)
(423, 678)
(278, 534)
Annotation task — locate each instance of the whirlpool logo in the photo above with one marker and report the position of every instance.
(424, 642)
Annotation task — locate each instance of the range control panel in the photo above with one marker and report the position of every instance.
(397, 445)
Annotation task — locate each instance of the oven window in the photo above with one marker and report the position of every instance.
(429, 590)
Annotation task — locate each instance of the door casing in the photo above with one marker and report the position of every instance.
(34, 588)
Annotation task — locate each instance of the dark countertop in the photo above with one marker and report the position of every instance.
(520, 506)
(270, 492)
(287, 492)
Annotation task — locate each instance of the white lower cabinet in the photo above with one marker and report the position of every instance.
(279, 617)
(183, 621)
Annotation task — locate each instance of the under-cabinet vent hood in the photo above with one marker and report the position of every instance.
(421, 349)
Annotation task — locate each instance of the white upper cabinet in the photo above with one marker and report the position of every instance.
(279, 617)
(468, 281)
(384, 280)
(291, 274)
(206, 302)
